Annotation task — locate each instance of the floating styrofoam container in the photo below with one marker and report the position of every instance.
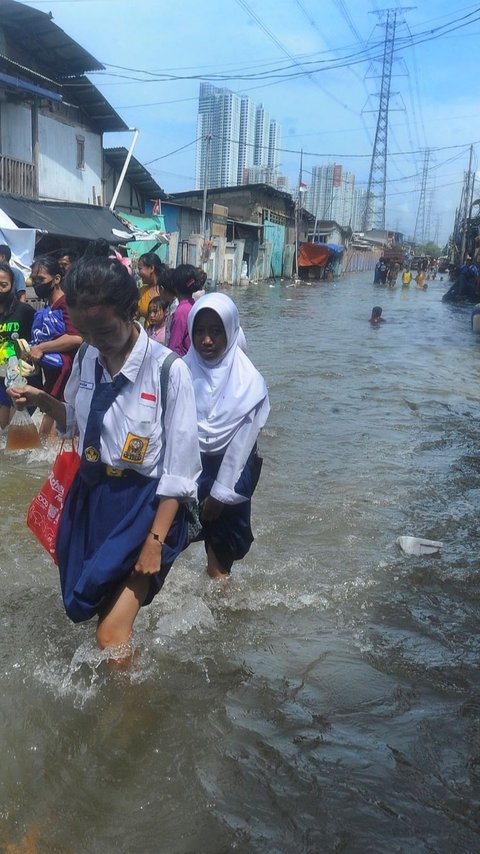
(418, 546)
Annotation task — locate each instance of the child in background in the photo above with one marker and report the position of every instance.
(377, 315)
(186, 281)
(156, 316)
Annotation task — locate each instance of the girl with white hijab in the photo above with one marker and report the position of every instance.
(232, 407)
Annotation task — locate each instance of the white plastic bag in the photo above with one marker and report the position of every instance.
(418, 546)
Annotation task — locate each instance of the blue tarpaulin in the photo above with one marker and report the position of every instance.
(334, 247)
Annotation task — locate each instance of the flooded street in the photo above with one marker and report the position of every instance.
(327, 698)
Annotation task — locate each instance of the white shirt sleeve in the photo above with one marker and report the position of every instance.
(237, 455)
(181, 462)
(69, 395)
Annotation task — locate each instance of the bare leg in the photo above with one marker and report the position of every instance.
(216, 569)
(115, 625)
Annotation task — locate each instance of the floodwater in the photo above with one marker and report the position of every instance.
(327, 698)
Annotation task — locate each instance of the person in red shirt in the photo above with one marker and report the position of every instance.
(47, 283)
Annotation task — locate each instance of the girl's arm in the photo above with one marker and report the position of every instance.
(27, 395)
(237, 454)
(62, 344)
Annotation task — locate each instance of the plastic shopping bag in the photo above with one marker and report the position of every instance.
(45, 510)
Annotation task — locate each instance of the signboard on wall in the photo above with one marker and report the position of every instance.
(219, 221)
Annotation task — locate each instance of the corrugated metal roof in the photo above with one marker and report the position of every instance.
(137, 174)
(48, 46)
(40, 51)
(82, 92)
(85, 222)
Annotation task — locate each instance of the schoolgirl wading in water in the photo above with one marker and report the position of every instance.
(125, 517)
(232, 407)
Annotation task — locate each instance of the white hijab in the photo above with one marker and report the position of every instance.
(227, 390)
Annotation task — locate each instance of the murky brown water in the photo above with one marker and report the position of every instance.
(326, 700)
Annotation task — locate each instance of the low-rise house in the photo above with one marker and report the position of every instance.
(52, 122)
(259, 225)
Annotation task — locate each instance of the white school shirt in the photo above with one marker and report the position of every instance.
(132, 435)
(236, 455)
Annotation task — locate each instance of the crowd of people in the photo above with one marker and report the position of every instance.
(388, 272)
(153, 379)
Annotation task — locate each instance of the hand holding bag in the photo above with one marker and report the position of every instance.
(44, 512)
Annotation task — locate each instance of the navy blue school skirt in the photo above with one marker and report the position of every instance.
(101, 532)
(230, 536)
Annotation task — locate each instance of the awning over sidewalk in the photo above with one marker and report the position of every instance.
(85, 222)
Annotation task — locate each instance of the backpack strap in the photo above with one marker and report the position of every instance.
(81, 354)
(164, 375)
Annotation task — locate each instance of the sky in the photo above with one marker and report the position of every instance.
(315, 65)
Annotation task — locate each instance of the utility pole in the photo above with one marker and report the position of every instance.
(467, 201)
(298, 213)
(208, 142)
(375, 203)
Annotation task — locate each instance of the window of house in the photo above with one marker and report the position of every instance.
(80, 152)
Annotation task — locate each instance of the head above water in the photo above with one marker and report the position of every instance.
(377, 311)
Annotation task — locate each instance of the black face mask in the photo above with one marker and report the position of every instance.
(43, 289)
(6, 296)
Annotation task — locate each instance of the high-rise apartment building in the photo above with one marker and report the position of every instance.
(331, 195)
(262, 134)
(246, 147)
(234, 134)
(274, 135)
(218, 131)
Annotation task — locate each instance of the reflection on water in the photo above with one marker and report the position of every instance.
(327, 698)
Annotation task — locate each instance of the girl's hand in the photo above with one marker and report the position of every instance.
(25, 395)
(36, 353)
(211, 509)
(150, 557)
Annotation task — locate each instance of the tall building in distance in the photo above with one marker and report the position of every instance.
(248, 111)
(234, 134)
(274, 139)
(218, 130)
(332, 195)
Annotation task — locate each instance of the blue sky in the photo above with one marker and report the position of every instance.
(330, 113)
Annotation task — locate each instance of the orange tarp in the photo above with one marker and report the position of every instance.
(313, 255)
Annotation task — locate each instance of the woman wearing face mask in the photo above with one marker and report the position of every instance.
(15, 319)
(54, 338)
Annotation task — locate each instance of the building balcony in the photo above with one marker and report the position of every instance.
(17, 177)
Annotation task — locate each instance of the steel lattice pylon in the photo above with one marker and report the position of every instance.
(374, 213)
(420, 233)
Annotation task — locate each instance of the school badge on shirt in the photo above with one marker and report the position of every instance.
(134, 449)
(91, 454)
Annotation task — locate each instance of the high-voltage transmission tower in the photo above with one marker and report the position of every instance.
(420, 233)
(374, 212)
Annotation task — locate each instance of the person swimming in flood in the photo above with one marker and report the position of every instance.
(376, 317)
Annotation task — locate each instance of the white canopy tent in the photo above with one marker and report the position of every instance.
(21, 242)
